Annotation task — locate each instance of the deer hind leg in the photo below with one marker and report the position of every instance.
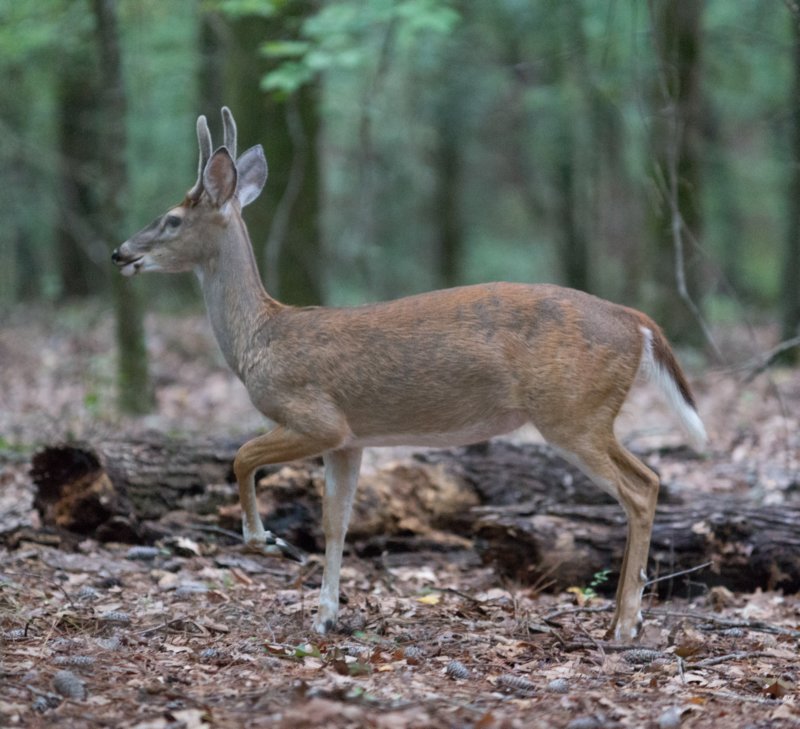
(618, 472)
(341, 479)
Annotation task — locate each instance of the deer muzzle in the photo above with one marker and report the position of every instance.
(127, 264)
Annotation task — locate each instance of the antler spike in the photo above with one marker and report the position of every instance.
(204, 142)
(229, 127)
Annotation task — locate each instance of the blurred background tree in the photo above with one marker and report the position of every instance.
(415, 144)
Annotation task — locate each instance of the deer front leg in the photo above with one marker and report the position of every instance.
(341, 479)
(279, 445)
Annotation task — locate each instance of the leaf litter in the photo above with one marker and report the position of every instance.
(197, 635)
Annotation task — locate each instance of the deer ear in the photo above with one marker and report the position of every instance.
(252, 170)
(219, 177)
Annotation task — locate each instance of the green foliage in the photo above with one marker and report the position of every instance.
(346, 36)
(494, 124)
(248, 8)
(47, 29)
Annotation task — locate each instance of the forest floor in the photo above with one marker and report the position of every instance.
(206, 635)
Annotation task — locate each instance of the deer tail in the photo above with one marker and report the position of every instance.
(660, 365)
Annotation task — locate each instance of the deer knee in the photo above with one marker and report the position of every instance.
(242, 469)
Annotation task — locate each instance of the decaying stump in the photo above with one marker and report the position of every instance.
(526, 511)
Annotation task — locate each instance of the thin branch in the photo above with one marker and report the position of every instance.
(763, 361)
(758, 626)
(574, 610)
(678, 574)
(742, 697)
(716, 660)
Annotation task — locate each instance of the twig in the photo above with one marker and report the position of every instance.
(213, 529)
(598, 645)
(757, 365)
(758, 626)
(741, 697)
(573, 610)
(669, 191)
(678, 574)
(170, 627)
(715, 660)
(464, 595)
(603, 646)
(681, 666)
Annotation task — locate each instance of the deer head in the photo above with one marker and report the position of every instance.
(192, 233)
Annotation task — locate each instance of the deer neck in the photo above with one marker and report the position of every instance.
(237, 304)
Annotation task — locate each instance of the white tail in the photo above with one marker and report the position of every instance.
(662, 369)
(444, 368)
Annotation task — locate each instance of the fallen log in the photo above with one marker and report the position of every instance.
(122, 490)
(526, 511)
(565, 545)
(109, 488)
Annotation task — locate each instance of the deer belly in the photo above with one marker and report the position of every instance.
(472, 433)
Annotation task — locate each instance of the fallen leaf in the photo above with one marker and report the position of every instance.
(777, 688)
(191, 718)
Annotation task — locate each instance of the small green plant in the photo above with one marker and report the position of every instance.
(585, 595)
(598, 579)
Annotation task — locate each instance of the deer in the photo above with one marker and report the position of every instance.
(445, 368)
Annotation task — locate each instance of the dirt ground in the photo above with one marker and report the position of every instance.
(198, 633)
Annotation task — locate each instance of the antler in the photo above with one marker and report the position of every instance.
(204, 142)
(229, 133)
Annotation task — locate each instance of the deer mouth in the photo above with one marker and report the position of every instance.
(130, 268)
(127, 266)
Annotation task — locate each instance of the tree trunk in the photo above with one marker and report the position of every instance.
(572, 70)
(575, 248)
(133, 386)
(284, 224)
(299, 261)
(447, 212)
(678, 143)
(78, 90)
(790, 294)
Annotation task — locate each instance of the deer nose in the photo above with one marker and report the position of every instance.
(115, 256)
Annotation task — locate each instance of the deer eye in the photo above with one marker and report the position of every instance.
(173, 221)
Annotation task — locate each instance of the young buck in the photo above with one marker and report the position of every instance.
(444, 368)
